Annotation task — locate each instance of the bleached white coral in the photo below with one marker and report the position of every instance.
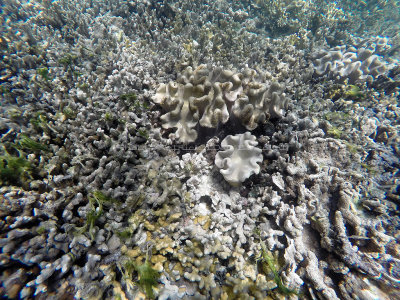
(218, 90)
(238, 161)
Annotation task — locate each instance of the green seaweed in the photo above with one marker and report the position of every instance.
(129, 268)
(97, 201)
(14, 169)
(125, 234)
(269, 264)
(29, 144)
(40, 230)
(103, 199)
(130, 100)
(14, 113)
(143, 133)
(352, 147)
(353, 92)
(4, 90)
(147, 276)
(84, 87)
(77, 74)
(108, 117)
(335, 132)
(44, 72)
(130, 97)
(139, 106)
(69, 112)
(370, 169)
(68, 59)
(336, 116)
(40, 122)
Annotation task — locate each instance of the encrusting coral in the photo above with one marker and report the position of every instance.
(238, 161)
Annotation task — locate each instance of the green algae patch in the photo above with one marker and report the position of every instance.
(353, 92)
(131, 101)
(130, 97)
(29, 144)
(68, 59)
(97, 201)
(14, 169)
(43, 72)
(125, 234)
(147, 276)
(69, 113)
(143, 133)
(334, 132)
(269, 263)
(370, 169)
(40, 122)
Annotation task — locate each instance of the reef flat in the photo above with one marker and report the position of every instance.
(199, 149)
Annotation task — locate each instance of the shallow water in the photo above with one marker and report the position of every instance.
(199, 149)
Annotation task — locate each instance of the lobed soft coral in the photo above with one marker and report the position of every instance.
(356, 63)
(177, 99)
(209, 98)
(239, 159)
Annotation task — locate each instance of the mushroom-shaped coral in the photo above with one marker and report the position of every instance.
(200, 97)
(217, 91)
(238, 161)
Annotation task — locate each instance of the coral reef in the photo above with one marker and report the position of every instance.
(176, 99)
(97, 201)
(260, 103)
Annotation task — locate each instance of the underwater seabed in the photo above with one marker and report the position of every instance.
(199, 149)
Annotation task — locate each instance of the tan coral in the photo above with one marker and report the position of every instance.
(356, 63)
(209, 98)
(175, 98)
(259, 103)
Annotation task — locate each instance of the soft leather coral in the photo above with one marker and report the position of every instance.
(239, 159)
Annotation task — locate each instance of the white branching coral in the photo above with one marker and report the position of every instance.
(209, 98)
(239, 159)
